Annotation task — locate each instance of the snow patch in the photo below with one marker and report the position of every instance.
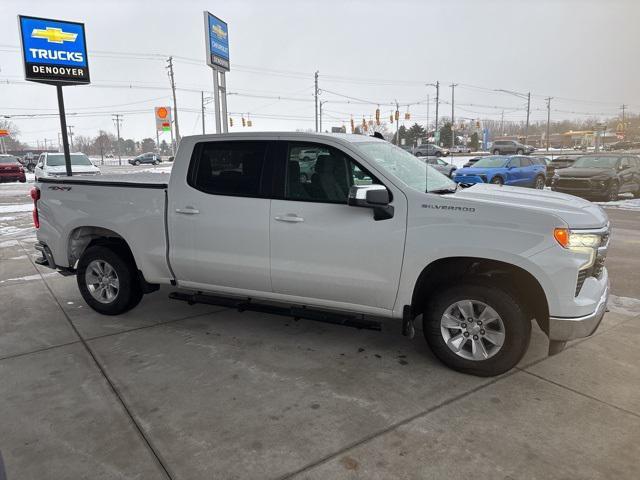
(7, 219)
(16, 207)
(631, 204)
(624, 305)
(29, 278)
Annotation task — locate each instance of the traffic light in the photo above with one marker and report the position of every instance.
(397, 115)
(477, 123)
(391, 118)
(407, 116)
(364, 124)
(353, 127)
(378, 116)
(249, 123)
(244, 122)
(230, 122)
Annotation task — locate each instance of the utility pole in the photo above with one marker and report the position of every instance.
(173, 91)
(70, 135)
(321, 104)
(526, 128)
(437, 85)
(428, 100)
(502, 123)
(45, 144)
(202, 108)
(397, 117)
(453, 121)
(316, 97)
(623, 108)
(548, 118)
(117, 119)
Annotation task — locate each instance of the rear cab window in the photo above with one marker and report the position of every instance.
(235, 168)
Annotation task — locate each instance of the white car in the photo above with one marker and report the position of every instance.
(374, 233)
(52, 165)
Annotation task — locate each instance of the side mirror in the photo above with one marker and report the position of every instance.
(372, 196)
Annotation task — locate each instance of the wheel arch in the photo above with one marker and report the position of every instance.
(84, 237)
(518, 281)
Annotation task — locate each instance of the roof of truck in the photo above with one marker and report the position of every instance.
(348, 137)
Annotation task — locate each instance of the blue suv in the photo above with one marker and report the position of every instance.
(516, 170)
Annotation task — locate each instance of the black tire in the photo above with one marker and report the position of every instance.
(517, 328)
(519, 152)
(613, 192)
(539, 182)
(418, 154)
(438, 154)
(129, 292)
(496, 152)
(497, 180)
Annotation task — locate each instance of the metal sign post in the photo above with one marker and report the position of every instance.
(55, 52)
(217, 45)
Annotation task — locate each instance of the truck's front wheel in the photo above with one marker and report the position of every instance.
(107, 280)
(478, 329)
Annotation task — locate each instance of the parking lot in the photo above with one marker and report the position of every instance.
(175, 391)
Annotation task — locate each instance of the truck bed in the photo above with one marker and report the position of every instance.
(73, 210)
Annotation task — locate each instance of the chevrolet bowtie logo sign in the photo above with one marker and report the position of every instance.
(220, 33)
(53, 35)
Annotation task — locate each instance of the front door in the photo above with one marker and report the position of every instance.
(321, 248)
(219, 219)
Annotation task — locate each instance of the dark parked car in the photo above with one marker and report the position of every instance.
(150, 157)
(440, 165)
(558, 164)
(430, 150)
(601, 176)
(11, 170)
(622, 145)
(507, 147)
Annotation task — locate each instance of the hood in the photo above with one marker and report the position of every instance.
(574, 211)
(74, 169)
(577, 172)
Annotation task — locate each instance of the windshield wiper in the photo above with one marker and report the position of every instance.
(441, 191)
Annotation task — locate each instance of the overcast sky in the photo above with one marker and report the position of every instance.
(584, 53)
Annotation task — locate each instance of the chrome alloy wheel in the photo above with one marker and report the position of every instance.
(472, 330)
(539, 183)
(102, 281)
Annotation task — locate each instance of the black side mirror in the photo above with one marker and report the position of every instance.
(372, 196)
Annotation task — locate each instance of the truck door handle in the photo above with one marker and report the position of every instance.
(187, 211)
(292, 218)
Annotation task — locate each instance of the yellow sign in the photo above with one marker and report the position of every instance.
(53, 35)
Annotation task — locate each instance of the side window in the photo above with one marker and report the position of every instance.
(525, 162)
(326, 176)
(515, 162)
(228, 168)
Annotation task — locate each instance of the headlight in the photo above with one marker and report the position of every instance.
(576, 241)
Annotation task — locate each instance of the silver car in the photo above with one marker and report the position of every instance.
(440, 165)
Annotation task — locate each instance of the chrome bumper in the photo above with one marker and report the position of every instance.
(563, 329)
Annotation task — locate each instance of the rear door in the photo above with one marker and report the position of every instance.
(219, 218)
(530, 169)
(627, 175)
(323, 249)
(515, 173)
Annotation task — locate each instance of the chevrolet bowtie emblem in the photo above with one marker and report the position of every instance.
(53, 35)
(220, 33)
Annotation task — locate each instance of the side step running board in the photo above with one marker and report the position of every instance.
(296, 312)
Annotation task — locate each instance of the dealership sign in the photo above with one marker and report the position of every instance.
(217, 41)
(54, 51)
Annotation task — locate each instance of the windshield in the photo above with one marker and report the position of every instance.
(596, 162)
(4, 159)
(491, 162)
(57, 159)
(412, 171)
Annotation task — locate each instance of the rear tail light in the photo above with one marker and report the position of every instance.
(35, 195)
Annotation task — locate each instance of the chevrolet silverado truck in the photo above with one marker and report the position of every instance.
(372, 233)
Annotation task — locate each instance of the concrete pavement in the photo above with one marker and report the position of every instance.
(193, 392)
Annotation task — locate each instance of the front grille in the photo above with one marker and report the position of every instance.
(598, 265)
(573, 183)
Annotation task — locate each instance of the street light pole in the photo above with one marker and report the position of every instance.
(453, 121)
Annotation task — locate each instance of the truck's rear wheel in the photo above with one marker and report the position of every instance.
(108, 280)
(477, 329)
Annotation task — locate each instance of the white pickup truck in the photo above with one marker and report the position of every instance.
(367, 231)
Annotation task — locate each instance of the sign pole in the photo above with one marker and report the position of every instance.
(223, 103)
(63, 127)
(216, 99)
